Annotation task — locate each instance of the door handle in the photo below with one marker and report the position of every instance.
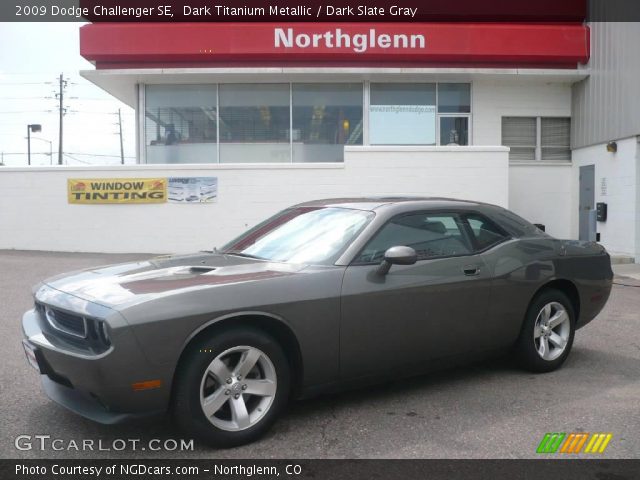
(471, 270)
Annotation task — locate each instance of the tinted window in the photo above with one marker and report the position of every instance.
(254, 123)
(326, 116)
(454, 97)
(428, 234)
(180, 124)
(485, 232)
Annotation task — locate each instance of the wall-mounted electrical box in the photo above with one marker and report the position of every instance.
(601, 212)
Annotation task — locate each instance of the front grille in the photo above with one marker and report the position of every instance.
(68, 323)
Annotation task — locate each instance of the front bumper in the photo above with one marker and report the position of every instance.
(98, 387)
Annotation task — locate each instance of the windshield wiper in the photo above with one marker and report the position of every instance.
(244, 255)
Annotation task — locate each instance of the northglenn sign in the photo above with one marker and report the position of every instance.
(359, 42)
(140, 45)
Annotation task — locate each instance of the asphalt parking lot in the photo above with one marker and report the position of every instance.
(487, 410)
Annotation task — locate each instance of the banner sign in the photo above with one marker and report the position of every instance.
(142, 190)
(117, 190)
(193, 189)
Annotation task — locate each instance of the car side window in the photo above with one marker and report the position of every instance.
(430, 235)
(484, 231)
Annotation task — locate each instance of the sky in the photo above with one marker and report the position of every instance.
(32, 57)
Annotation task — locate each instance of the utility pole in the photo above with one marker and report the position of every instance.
(60, 97)
(121, 144)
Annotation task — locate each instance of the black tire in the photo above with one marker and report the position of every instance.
(186, 408)
(526, 349)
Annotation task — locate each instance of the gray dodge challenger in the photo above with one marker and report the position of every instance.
(322, 296)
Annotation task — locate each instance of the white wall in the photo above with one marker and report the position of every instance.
(620, 233)
(35, 215)
(543, 193)
(493, 99)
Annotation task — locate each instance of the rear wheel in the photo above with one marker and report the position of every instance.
(231, 386)
(547, 334)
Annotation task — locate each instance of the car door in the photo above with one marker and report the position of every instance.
(415, 313)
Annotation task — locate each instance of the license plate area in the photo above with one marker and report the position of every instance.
(30, 353)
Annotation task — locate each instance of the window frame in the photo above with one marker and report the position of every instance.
(468, 115)
(454, 115)
(538, 145)
(366, 104)
(456, 214)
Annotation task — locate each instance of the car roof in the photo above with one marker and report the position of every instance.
(374, 203)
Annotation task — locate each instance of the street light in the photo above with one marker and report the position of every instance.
(50, 147)
(35, 127)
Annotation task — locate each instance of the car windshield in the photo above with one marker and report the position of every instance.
(315, 235)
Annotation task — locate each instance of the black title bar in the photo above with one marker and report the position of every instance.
(141, 469)
(547, 11)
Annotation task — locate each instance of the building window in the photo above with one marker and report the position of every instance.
(537, 138)
(254, 123)
(555, 138)
(305, 122)
(402, 114)
(454, 130)
(326, 116)
(454, 98)
(419, 113)
(519, 133)
(180, 124)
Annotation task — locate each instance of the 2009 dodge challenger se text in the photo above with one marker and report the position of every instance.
(323, 295)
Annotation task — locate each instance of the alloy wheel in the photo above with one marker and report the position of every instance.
(238, 388)
(551, 331)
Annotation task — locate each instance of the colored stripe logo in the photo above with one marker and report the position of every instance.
(574, 442)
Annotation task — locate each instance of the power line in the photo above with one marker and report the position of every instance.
(25, 83)
(69, 153)
(23, 153)
(100, 155)
(76, 159)
(96, 112)
(22, 98)
(26, 111)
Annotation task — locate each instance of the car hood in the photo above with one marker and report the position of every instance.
(130, 283)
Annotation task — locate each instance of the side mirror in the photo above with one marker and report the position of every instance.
(397, 256)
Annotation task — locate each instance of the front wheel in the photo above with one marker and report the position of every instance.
(547, 334)
(231, 386)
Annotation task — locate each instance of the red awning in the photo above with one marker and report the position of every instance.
(147, 45)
